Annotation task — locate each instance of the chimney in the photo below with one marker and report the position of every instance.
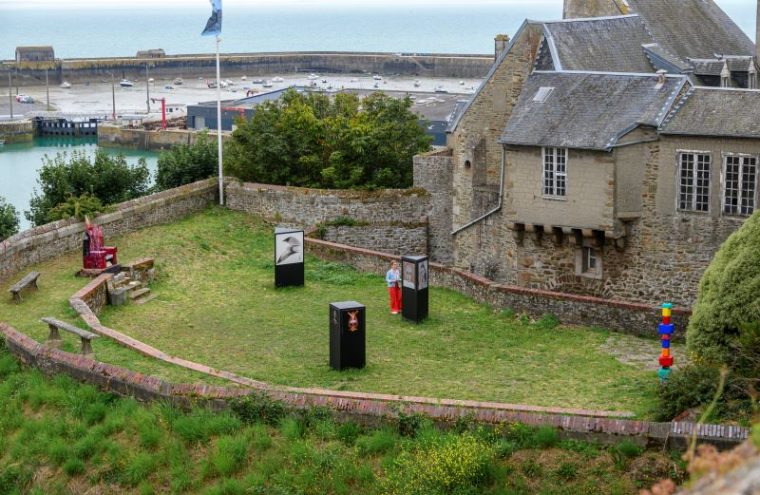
(500, 44)
(661, 77)
(752, 75)
(725, 76)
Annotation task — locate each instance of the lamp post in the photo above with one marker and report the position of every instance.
(10, 91)
(147, 87)
(113, 96)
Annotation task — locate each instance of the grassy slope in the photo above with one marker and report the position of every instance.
(216, 305)
(60, 437)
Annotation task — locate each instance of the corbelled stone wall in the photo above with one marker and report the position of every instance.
(399, 239)
(434, 172)
(306, 207)
(51, 240)
(123, 137)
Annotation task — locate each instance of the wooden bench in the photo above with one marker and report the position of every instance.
(29, 281)
(55, 338)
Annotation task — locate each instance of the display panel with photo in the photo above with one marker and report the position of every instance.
(423, 275)
(288, 248)
(408, 274)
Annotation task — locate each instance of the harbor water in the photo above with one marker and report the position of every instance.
(20, 165)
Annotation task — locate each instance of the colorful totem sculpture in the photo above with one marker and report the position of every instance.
(666, 332)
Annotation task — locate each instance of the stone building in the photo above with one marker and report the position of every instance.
(35, 54)
(607, 156)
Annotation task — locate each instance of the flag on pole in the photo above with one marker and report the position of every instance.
(214, 24)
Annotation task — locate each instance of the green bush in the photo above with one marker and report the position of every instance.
(688, 387)
(185, 164)
(9, 221)
(452, 464)
(313, 140)
(80, 207)
(230, 455)
(258, 406)
(108, 178)
(546, 437)
(378, 442)
(729, 295)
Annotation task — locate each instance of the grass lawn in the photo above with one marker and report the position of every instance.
(58, 437)
(217, 305)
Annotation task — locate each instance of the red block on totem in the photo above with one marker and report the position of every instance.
(666, 361)
(666, 320)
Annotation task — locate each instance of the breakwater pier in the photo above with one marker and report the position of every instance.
(252, 64)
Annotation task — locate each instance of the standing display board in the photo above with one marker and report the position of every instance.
(288, 257)
(414, 287)
(347, 335)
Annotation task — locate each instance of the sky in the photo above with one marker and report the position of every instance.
(750, 5)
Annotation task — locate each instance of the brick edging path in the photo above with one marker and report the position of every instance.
(368, 408)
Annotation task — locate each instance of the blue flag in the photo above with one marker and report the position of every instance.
(214, 24)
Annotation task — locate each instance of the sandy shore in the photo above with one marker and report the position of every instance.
(97, 96)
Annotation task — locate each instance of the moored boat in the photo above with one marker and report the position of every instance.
(126, 83)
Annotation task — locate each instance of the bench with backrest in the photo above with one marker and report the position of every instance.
(29, 281)
(55, 338)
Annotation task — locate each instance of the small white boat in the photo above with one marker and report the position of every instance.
(126, 83)
(277, 79)
(243, 78)
(377, 77)
(461, 83)
(151, 80)
(440, 89)
(312, 77)
(267, 84)
(178, 81)
(65, 85)
(257, 81)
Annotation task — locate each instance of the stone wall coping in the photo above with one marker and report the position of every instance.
(341, 193)
(484, 282)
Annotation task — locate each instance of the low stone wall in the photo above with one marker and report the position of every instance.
(17, 131)
(366, 408)
(124, 137)
(51, 240)
(306, 207)
(631, 318)
(393, 239)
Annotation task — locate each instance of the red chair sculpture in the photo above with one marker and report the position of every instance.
(94, 254)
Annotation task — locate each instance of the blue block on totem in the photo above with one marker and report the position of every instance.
(666, 329)
(663, 374)
(665, 344)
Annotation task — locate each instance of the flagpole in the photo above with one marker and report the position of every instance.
(219, 121)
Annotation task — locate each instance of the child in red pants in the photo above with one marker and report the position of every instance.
(393, 279)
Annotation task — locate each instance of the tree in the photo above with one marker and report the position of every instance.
(78, 207)
(312, 140)
(9, 220)
(108, 178)
(729, 296)
(184, 164)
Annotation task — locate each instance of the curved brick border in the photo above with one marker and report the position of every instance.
(92, 297)
(368, 408)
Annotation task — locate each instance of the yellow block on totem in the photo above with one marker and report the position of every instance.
(666, 311)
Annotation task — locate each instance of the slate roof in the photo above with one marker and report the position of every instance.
(663, 59)
(713, 67)
(610, 44)
(692, 28)
(588, 110)
(715, 112)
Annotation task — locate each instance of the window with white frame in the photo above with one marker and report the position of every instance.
(740, 184)
(693, 181)
(588, 262)
(555, 172)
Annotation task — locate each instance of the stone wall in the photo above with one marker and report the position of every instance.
(124, 137)
(17, 131)
(51, 240)
(237, 64)
(398, 239)
(433, 172)
(632, 318)
(307, 207)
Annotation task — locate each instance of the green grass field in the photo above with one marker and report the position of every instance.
(58, 437)
(217, 305)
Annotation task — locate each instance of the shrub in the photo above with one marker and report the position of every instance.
(108, 178)
(185, 164)
(545, 437)
(347, 433)
(628, 449)
(258, 406)
(686, 388)
(313, 140)
(453, 464)
(80, 207)
(9, 221)
(729, 295)
(409, 425)
(230, 455)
